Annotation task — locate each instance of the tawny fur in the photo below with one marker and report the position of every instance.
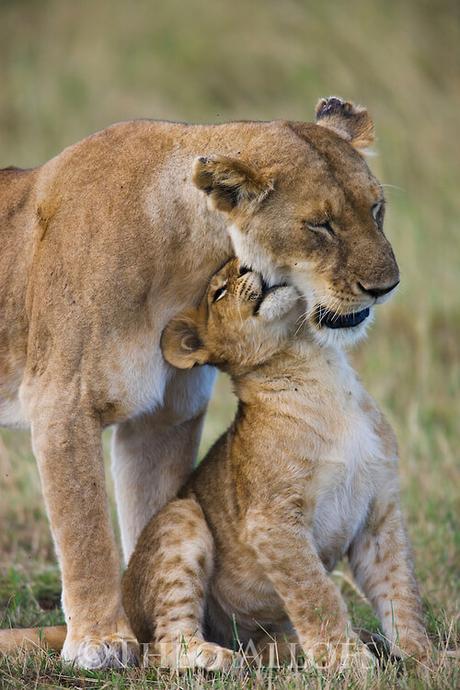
(101, 246)
(306, 474)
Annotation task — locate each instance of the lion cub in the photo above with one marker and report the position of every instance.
(306, 474)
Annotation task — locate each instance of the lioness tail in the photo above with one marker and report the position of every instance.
(51, 637)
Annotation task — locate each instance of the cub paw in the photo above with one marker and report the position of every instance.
(108, 651)
(278, 302)
(413, 649)
(360, 657)
(212, 657)
(194, 654)
(337, 656)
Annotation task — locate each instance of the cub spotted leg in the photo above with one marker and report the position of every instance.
(382, 565)
(313, 603)
(164, 588)
(66, 438)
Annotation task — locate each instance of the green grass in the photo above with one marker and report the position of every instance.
(32, 599)
(70, 68)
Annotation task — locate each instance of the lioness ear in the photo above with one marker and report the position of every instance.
(180, 343)
(229, 182)
(351, 122)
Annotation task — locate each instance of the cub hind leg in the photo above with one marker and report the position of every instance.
(164, 588)
(380, 557)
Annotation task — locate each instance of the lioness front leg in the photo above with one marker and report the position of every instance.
(313, 603)
(66, 437)
(153, 454)
(382, 565)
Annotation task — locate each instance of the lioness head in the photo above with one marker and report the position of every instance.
(240, 322)
(311, 216)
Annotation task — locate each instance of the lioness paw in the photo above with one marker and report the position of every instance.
(110, 651)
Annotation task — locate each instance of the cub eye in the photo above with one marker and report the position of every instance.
(318, 227)
(219, 293)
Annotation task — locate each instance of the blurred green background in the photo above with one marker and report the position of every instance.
(69, 68)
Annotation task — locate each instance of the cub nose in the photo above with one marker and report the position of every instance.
(377, 291)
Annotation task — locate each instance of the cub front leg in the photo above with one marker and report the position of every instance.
(165, 588)
(66, 438)
(381, 561)
(284, 548)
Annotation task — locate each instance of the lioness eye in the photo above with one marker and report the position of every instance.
(219, 293)
(377, 212)
(325, 226)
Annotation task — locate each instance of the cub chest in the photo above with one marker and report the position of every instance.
(347, 479)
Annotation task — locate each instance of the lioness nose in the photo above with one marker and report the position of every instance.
(375, 291)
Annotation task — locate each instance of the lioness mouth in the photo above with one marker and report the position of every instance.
(329, 319)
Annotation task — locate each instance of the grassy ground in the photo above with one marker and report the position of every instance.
(70, 68)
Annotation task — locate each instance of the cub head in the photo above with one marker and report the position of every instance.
(304, 208)
(239, 323)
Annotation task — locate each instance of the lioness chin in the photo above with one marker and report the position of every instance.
(101, 246)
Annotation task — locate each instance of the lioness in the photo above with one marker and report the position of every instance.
(101, 246)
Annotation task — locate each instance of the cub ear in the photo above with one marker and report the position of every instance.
(351, 122)
(229, 182)
(181, 344)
